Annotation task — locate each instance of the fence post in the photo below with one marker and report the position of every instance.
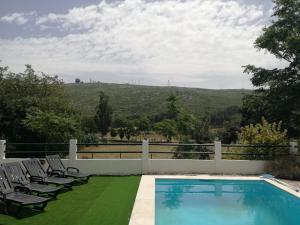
(145, 156)
(218, 156)
(2, 149)
(293, 149)
(72, 152)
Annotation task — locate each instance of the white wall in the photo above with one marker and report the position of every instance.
(169, 166)
(164, 166)
(109, 166)
(241, 167)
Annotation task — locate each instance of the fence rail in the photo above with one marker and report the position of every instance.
(260, 146)
(179, 144)
(254, 152)
(25, 151)
(39, 144)
(108, 144)
(109, 152)
(39, 150)
(199, 154)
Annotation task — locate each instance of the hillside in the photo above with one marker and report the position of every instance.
(129, 99)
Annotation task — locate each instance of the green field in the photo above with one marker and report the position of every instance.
(104, 200)
(129, 99)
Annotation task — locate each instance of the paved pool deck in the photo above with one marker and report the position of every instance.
(292, 183)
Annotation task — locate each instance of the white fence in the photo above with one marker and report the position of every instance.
(145, 165)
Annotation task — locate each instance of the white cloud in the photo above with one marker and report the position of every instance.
(18, 18)
(192, 43)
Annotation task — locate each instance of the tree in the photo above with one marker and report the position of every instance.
(34, 108)
(129, 129)
(104, 112)
(185, 123)
(278, 95)
(142, 125)
(119, 123)
(121, 133)
(113, 132)
(184, 120)
(54, 126)
(167, 128)
(88, 124)
(201, 133)
(173, 107)
(228, 117)
(230, 135)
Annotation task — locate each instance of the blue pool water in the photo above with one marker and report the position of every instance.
(223, 202)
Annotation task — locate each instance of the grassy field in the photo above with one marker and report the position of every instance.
(104, 200)
(137, 99)
(126, 155)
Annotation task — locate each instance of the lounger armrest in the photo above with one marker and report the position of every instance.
(21, 188)
(17, 183)
(73, 168)
(56, 172)
(36, 179)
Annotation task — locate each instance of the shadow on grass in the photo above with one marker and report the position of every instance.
(19, 213)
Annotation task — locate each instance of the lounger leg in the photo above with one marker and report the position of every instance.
(6, 207)
(86, 179)
(53, 195)
(40, 207)
(18, 211)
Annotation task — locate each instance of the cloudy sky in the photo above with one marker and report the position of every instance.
(192, 43)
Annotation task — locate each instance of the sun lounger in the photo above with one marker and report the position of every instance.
(20, 180)
(9, 196)
(57, 167)
(38, 174)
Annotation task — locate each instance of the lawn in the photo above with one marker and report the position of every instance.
(106, 200)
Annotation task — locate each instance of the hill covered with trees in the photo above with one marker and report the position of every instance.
(130, 100)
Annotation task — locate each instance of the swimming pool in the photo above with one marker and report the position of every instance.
(223, 202)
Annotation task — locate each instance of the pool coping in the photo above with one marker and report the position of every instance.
(144, 205)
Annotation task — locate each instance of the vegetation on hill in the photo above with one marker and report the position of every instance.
(130, 100)
(138, 110)
(38, 107)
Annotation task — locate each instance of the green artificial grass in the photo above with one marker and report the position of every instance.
(106, 200)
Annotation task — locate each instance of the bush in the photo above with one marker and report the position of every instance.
(113, 132)
(187, 155)
(285, 167)
(90, 138)
(263, 134)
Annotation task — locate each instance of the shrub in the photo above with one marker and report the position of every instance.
(263, 134)
(285, 167)
(90, 138)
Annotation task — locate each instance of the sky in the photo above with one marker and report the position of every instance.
(189, 43)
